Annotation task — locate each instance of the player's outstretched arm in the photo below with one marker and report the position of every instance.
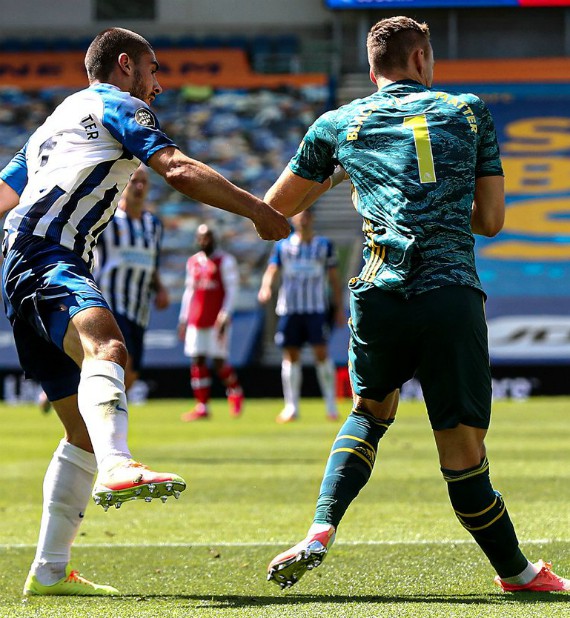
(8, 197)
(202, 183)
(292, 194)
(488, 214)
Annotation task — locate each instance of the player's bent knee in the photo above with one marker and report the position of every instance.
(113, 350)
(381, 410)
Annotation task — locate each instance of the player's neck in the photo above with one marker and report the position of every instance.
(385, 81)
(305, 235)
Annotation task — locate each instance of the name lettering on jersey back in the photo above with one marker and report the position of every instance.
(88, 123)
(357, 122)
(456, 102)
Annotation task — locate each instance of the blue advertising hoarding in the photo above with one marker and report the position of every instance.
(526, 268)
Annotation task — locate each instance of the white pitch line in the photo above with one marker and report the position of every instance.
(277, 543)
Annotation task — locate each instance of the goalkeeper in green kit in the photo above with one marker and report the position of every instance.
(426, 175)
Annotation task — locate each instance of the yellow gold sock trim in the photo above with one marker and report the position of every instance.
(472, 529)
(480, 470)
(357, 440)
(480, 512)
(386, 424)
(350, 450)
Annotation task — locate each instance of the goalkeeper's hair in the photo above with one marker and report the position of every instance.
(391, 41)
(106, 48)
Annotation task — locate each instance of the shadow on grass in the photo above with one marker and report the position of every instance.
(235, 601)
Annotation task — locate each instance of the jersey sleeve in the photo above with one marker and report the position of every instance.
(488, 155)
(159, 239)
(133, 124)
(101, 253)
(187, 295)
(15, 174)
(332, 258)
(230, 279)
(275, 256)
(315, 157)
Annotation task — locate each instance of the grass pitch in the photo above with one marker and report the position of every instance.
(252, 488)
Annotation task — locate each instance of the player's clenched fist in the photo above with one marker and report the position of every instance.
(270, 224)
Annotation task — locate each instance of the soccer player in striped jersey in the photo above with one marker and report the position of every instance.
(211, 289)
(127, 268)
(62, 189)
(426, 176)
(307, 265)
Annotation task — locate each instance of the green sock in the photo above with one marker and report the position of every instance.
(349, 465)
(482, 512)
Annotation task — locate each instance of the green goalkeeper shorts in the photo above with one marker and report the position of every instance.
(440, 337)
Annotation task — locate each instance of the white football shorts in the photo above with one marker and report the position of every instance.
(206, 342)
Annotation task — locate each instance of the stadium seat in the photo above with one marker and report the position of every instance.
(11, 45)
(36, 44)
(162, 42)
(287, 44)
(237, 41)
(62, 44)
(212, 42)
(187, 42)
(262, 45)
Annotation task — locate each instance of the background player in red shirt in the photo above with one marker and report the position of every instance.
(212, 283)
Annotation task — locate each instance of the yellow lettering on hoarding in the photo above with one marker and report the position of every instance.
(551, 134)
(536, 175)
(541, 218)
(527, 251)
(544, 217)
(536, 165)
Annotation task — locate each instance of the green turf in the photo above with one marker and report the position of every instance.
(252, 487)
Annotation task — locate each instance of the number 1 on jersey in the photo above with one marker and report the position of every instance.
(419, 127)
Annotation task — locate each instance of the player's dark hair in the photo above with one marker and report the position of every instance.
(106, 47)
(391, 41)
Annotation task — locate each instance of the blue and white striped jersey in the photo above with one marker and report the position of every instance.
(74, 167)
(127, 257)
(304, 274)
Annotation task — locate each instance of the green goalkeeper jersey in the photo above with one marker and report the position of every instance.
(413, 155)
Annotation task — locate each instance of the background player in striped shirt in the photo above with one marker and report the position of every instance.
(127, 268)
(307, 265)
(211, 288)
(63, 188)
(426, 175)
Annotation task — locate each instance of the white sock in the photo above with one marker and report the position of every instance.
(524, 577)
(326, 376)
(103, 406)
(67, 489)
(291, 377)
(316, 528)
